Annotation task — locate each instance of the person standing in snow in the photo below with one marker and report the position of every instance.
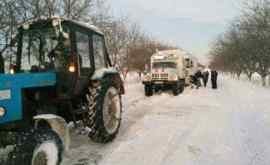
(214, 75)
(205, 75)
(197, 79)
(193, 81)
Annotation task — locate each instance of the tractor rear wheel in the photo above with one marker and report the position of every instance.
(105, 111)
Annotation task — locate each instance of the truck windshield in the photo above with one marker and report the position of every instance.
(42, 49)
(164, 65)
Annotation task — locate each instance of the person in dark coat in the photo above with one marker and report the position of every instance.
(193, 81)
(197, 79)
(205, 77)
(214, 75)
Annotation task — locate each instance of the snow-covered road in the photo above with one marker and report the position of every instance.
(230, 125)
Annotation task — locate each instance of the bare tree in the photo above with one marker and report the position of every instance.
(13, 12)
(245, 47)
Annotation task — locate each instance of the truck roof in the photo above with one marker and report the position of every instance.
(174, 53)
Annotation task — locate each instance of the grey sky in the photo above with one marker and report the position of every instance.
(189, 24)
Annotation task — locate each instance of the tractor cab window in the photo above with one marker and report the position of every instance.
(99, 51)
(43, 50)
(9, 57)
(9, 60)
(82, 40)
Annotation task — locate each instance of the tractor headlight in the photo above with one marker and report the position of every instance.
(2, 111)
(72, 68)
(11, 71)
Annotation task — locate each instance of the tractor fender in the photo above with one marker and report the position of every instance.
(110, 73)
(57, 124)
(101, 73)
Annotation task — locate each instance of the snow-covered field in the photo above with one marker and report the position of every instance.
(228, 126)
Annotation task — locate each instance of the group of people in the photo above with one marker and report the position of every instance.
(204, 76)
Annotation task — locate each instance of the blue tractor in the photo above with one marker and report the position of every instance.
(56, 71)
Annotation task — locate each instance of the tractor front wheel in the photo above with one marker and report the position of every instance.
(37, 147)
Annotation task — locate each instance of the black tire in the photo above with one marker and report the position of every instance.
(156, 89)
(182, 88)
(148, 90)
(32, 148)
(96, 119)
(176, 89)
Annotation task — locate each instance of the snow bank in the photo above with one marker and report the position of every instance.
(50, 148)
(229, 125)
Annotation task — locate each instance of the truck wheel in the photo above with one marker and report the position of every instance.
(176, 89)
(37, 147)
(182, 88)
(148, 90)
(105, 111)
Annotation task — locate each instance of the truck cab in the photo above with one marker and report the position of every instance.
(167, 71)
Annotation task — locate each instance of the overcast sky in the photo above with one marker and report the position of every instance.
(189, 24)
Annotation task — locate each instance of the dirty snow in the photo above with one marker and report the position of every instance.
(4, 153)
(230, 125)
(46, 116)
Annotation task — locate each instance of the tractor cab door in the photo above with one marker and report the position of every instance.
(91, 56)
(99, 52)
(84, 60)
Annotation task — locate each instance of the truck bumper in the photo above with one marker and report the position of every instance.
(164, 82)
(147, 82)
(161, 82)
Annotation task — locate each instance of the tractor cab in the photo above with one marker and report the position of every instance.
(64, 47)
(56, 71)
(40, 47)
(51, 59)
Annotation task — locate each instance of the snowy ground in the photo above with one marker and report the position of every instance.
(200, 127)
